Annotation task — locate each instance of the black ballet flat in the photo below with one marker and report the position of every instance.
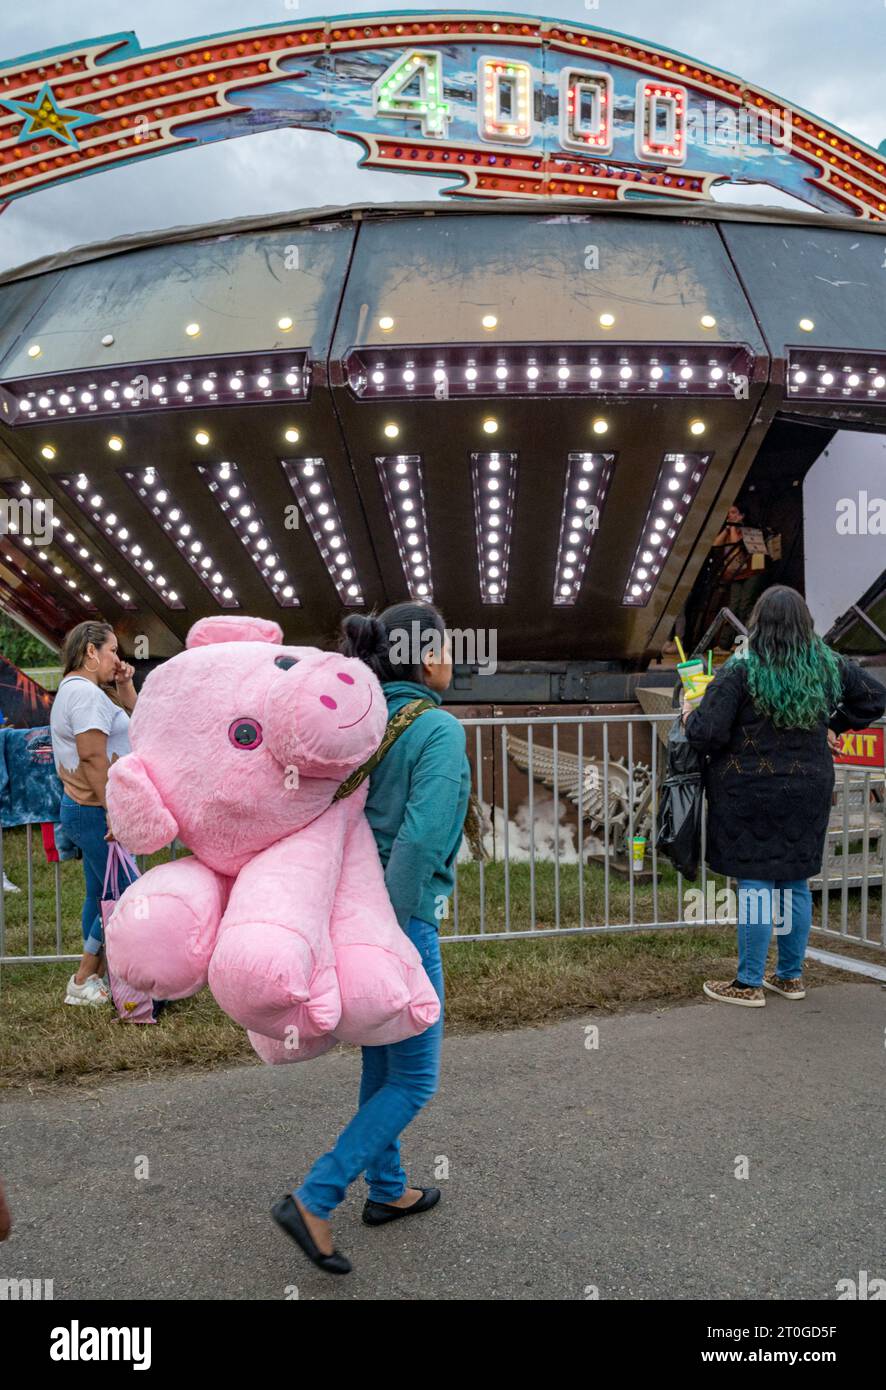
(287, 1215)
(379, 1213)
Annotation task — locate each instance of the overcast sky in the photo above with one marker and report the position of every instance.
(827, 57)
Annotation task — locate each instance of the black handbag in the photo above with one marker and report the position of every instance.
(681, 805)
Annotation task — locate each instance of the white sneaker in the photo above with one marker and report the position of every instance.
(9, 886)
(92, 991)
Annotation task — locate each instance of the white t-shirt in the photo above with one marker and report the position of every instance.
(80, 705)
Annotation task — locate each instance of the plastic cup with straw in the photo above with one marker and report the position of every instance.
(688, 670)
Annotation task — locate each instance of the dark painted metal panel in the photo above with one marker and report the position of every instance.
(547, 278)
(836, 279)
(236, 289)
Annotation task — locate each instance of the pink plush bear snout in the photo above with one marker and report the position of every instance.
(325, 715)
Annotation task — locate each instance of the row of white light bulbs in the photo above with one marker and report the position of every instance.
(660, 526)
(83, 553)
(496, 562)
(201, 436)
(572, 557)
(827, 378)
(533, 373)
(489, 322)
(245, 511)
(490, 426)
(159, 390)
(331, 526)
(414, 526)
(109, 522)
(410, 522)
(184, 528)
(386, 322)
(574, 537)
(390, 429)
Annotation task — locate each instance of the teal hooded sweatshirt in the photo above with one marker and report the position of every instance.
(418, 796)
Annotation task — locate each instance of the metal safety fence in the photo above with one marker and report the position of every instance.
(568, 805)
(577, 852)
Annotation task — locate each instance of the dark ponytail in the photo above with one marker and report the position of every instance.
(371, 637)
(365, 638)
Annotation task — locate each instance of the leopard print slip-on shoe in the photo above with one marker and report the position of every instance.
(788, 989)
(728, 992)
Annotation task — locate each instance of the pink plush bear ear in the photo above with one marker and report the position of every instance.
(224, 629)
(139, 819)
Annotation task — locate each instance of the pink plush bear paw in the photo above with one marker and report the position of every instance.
(384, 999)
(265, 976)
(277, 1053)
(162, 932)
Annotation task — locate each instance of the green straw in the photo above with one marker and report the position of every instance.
(710, 661)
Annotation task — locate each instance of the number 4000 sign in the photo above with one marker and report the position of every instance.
(412, 89)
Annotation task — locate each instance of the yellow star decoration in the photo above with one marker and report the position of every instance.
(44, 116)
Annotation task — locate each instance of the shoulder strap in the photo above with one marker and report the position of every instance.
(396, 725)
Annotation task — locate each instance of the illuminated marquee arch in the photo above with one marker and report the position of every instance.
(503, 105)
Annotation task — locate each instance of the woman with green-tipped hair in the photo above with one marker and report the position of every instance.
(763, 727)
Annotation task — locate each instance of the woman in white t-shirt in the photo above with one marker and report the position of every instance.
(89, 724)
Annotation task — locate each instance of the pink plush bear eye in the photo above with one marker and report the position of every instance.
(328, 701)
(245, 733)
(348, 680)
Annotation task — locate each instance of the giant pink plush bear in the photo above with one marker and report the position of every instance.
(238, 746)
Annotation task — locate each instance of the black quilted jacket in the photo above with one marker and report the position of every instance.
(769, 790)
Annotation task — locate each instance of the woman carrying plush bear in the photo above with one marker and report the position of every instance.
(418, 797)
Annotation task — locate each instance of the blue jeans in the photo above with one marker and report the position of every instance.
(87, 826)
(792, 906)
(397, 1081)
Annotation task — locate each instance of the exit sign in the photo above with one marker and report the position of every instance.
(862, 748)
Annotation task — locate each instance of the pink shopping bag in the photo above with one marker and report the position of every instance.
(132, 1005)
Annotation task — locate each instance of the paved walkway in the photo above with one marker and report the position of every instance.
(569, 1167)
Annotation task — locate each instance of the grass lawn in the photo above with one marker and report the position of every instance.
(489, 984)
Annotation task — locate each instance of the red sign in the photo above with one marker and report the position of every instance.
(862, 748)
